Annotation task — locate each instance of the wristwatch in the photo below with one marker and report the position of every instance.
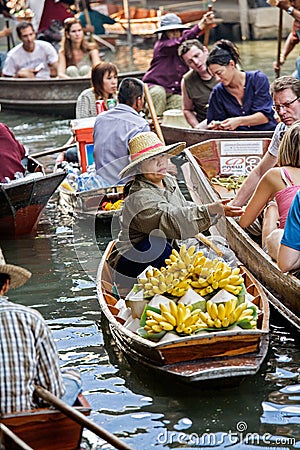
(290, 10)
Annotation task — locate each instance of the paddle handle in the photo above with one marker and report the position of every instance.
(78, 417)
(153, 113)
(279, 39)
(201, 237)
(207, 30)
(51, 151)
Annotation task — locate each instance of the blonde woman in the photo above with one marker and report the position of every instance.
(76, 55)
(280, 183)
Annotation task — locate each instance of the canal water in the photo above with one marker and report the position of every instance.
(142, 409)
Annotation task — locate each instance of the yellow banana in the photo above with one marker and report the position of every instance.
(166, 325)
(173, 309)
(163, 308)
(175, 253)
(221, 311)
(217, 323)
(225, 322)
(233, 289)
(157, 328)
(169, 318)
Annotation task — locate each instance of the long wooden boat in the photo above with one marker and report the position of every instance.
(44, 428)
(192, 136)
(22, 202)
(222, 355)
(55, 96)
(205, 160)
(144, 21)
(90, 203)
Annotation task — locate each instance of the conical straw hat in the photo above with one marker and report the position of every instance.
(18, 275)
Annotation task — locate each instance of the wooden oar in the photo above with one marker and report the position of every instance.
(207, 30)
(153, 113)
(17, 442)
(279, 39)
(201, 237)
(104, 42)
(51, 151)
(78, 417)
(87, 19)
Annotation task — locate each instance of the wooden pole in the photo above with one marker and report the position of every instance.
(87, 19)
(17, 442)
(243, 5)
(153, 113)
(78, 417)
(7, 37)
(51, 151)
(279, 40)
(207, 30)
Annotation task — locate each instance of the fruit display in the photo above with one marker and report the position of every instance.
(110, 206)
(232, 182)
(220, 302)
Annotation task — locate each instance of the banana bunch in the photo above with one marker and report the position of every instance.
(210, 275)
(226, 314)
(177, 317)
(231, 182)
(173, 278)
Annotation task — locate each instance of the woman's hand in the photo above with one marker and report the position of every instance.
(222, 208)
(230, 124)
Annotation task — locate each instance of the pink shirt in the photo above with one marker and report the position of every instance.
(285, 197)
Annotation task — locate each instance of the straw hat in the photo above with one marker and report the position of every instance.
(146, 145)
(170, 21)
(18, 275)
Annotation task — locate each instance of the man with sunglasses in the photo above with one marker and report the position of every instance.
(285, 92)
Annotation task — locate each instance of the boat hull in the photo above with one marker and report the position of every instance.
(283, 290)
(54, 96)
(192, 136)
(22, 202)
(45, 428)
(192, 359)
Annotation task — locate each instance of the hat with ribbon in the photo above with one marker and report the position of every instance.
(170, 21)
(146, 145)
(18, 275)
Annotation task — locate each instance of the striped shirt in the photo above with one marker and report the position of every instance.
(28, 356)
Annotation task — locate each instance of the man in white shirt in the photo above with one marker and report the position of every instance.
(32, 58)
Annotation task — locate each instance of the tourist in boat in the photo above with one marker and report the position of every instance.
(155, 212)
(286, 97)
(97, 20)
(241, 100)
(292, 7)
(281, 184)
(104, 80)
(31, 58)
(289, 251)
(196, 84)
(114, 128)
(166, 68)
(28, 355)
(76, 55)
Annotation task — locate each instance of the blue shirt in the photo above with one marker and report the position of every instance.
(291, 235)
(112, 132)
(257, 98)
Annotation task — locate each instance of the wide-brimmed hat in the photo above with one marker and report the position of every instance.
(146, 145)
(170, 21)
(18, 275)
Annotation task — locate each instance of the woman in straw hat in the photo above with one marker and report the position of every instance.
(166, 68)
(28, 355)
(155, 212)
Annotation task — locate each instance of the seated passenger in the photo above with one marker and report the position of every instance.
(76, 56)
(289, 251)
(166, 68)
(155, 212)
(280, 183)
(31, 58)
(241, 100)
(11, 155)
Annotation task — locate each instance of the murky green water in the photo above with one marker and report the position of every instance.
(144, 410)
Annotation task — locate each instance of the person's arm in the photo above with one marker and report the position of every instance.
(249, 185)
(263, 193)
(53, 69)
(289, 251)
(62, 65)
(5, 32)
(188, 107)
(94, 55)
(246, 121)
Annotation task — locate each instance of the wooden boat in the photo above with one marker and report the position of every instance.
(45, 428)
(210, 356)
(204, 159)
(22, 202)
(90, 203)
(144, 21)
(55, 96)
(192, 136)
